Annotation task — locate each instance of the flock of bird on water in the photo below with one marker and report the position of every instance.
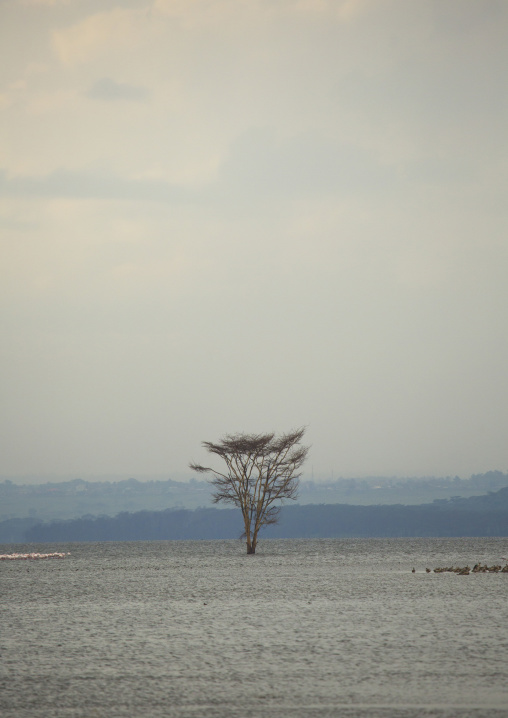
(466, 570)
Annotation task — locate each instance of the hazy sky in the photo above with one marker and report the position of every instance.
(246, 215)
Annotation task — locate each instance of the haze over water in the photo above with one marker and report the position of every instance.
(304, 628)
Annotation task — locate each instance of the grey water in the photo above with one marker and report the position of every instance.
(317, 628)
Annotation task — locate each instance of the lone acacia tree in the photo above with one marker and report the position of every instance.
(262, 470)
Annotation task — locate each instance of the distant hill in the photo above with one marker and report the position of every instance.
(77, 498)
(493, 501)
(476, 516)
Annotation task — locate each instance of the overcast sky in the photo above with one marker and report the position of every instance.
(250, 215)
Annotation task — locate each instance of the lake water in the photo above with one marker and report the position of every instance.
(305, 628)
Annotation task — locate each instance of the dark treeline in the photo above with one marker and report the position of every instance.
(476, 516)
(343, 521)
(170, 524)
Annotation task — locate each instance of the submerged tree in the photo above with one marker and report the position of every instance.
(262, 470)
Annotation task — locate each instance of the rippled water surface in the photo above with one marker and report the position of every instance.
(304, 628)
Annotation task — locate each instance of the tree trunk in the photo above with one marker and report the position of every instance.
(250, 535)
(251, 542)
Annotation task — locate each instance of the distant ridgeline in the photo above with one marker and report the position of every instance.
(77, 498)
(485, 515)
